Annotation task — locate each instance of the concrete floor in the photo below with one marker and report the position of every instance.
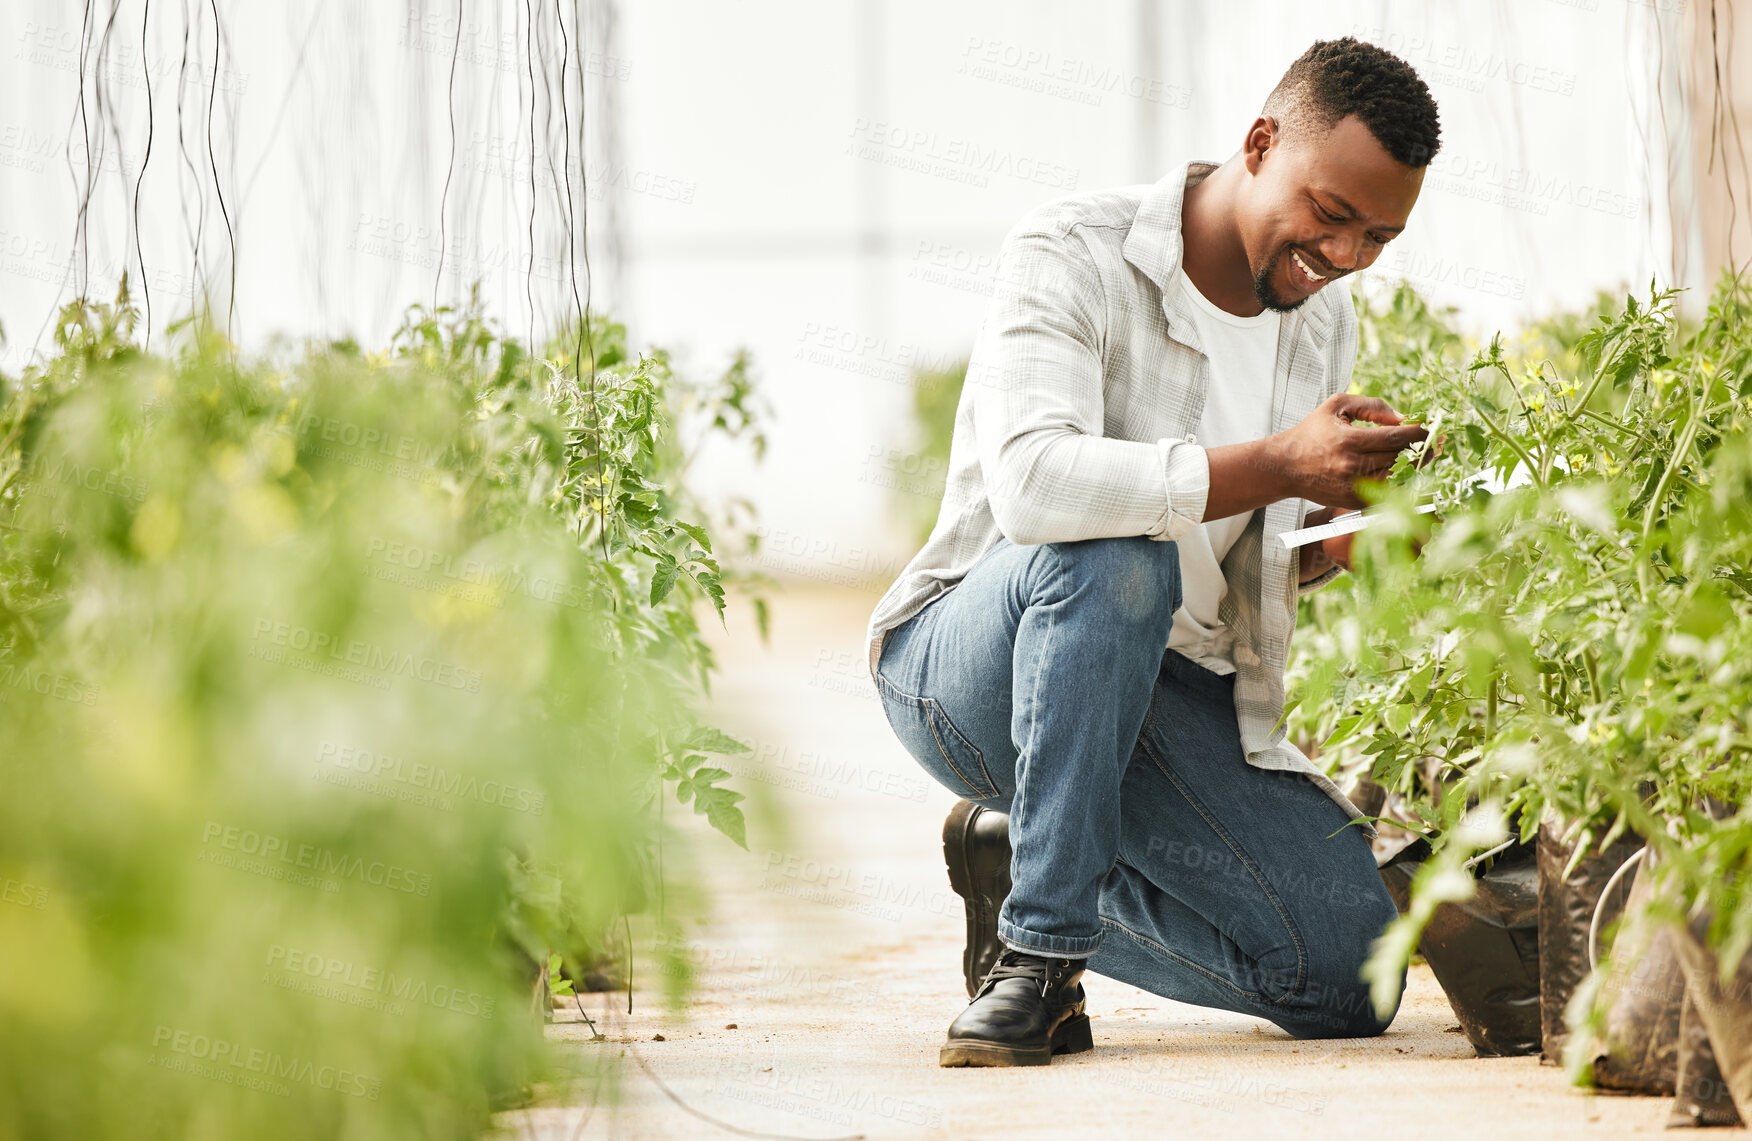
(830, 967)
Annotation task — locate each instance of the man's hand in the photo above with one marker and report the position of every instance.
(1347, 439)
(1318, 558)
(1339, 443)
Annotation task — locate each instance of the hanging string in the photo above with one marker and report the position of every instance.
(139, 251)
(81, 233)
(197, 288)
(219, 191)
(529, 271)
(444, 199)
(572, 240)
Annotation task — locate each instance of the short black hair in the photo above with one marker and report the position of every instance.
(1335, 78)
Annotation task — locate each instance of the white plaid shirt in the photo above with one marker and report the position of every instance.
(1077, 421)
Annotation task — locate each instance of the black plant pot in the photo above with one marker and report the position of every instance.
(1644, 993)
(1484, 951)
(1725, 1009)
(1566, 909)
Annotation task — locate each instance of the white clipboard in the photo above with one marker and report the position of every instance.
(1357, 520)
(1343, 525)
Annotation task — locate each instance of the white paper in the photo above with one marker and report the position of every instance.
(1343, 525)
(1478, 481)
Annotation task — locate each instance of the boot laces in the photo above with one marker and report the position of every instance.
(1014, 964)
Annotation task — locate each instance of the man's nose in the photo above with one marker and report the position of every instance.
(1340, 252)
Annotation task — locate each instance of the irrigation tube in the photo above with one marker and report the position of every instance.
(1600, 906)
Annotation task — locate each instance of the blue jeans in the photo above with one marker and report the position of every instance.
(1040, 686)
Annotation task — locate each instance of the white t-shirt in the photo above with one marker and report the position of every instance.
(1243, 361)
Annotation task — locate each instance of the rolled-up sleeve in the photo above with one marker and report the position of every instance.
(1037, 385)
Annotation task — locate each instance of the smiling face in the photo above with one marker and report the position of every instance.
(1318, 205)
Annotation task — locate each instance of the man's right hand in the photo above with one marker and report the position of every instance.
(1348, 438)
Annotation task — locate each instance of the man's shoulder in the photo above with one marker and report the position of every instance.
(1109, 212)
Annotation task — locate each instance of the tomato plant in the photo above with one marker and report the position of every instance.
(336, 691)
(1569, 634)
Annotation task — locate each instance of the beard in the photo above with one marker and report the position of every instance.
(1265, 287)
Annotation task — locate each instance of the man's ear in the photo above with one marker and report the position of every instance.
(1262, 137)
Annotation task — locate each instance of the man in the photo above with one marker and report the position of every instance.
(1090, 647)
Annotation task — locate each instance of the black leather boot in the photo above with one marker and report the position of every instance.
(976, 846)
(1027, 1009)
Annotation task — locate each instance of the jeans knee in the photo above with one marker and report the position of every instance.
(1339, 1008)
(1139, 577)
(1337, 1001)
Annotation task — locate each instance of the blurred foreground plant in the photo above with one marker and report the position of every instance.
(334, 697)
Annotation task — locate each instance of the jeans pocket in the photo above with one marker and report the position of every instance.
(936, 743)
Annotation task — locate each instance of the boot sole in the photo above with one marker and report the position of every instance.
(982, 912)
(1073, 1036)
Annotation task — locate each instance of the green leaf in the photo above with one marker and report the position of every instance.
(1344, 730)
(718, 806)
(697, 533)
(663, 580)
(712, 741)
(558, 985)
(1418, 684)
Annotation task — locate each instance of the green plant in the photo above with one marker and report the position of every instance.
(1574, 647)
(333, 707)
(936, 395)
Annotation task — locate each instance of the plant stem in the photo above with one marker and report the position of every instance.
(1680, 451)
(1588, 394)
(1513, 445)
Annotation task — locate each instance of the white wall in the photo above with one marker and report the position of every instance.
(824, 182)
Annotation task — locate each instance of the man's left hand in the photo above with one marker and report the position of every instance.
(1318, 558)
